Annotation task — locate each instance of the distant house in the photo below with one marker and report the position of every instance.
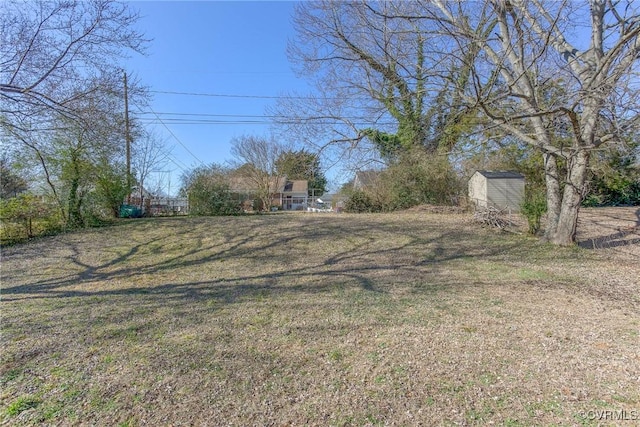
(167, 206)
(294, 195)
(285, 194)
(499, 189)
(139, 196)
(152, 204)
(366, 179)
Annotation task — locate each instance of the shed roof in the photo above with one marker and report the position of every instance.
(501, 174)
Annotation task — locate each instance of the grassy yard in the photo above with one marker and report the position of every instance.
(394, 319)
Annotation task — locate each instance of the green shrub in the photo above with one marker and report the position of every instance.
(593, 200)
(615, 178)
(360, 202)
(212, 199)
(415, 177)
(110, 190)
(420, 178)
(624, 192)
(534, 207)
(209, 194)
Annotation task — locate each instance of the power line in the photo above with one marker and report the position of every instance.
(225, 95)
(249, 119)
(174, 136)
(205, 114)
(210, 122)
(251, 122)
(182, 167)
(168, 155)
(257, 116)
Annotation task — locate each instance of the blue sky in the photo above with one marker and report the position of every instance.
(232, 54)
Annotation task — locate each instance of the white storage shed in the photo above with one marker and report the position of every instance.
(499, 189)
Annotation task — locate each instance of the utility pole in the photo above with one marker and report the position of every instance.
(127, 137)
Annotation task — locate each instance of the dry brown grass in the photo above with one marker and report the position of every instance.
(397, 319)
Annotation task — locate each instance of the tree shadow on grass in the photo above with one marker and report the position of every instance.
(359, 255)
(624, 236)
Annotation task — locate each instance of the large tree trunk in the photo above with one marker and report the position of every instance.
(554, 196)
(573, 194)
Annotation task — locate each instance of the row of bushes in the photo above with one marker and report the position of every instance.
(27, 216)
(625, 194)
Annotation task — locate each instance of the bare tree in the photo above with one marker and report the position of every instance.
(256, 159)
(561, 76)
(53, 51)
(148, 154)
(380, 86)
(61, 90)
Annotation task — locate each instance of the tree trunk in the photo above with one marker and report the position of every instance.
(75, 200)
(554, 196)
(565, 232)
(266, 203)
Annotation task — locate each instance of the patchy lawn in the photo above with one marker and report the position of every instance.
(395, 319)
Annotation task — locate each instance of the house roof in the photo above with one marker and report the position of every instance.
(366, 178)
(296, 186)
(501, 174)
(278, 184)
(135, 191)
(240, 184)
